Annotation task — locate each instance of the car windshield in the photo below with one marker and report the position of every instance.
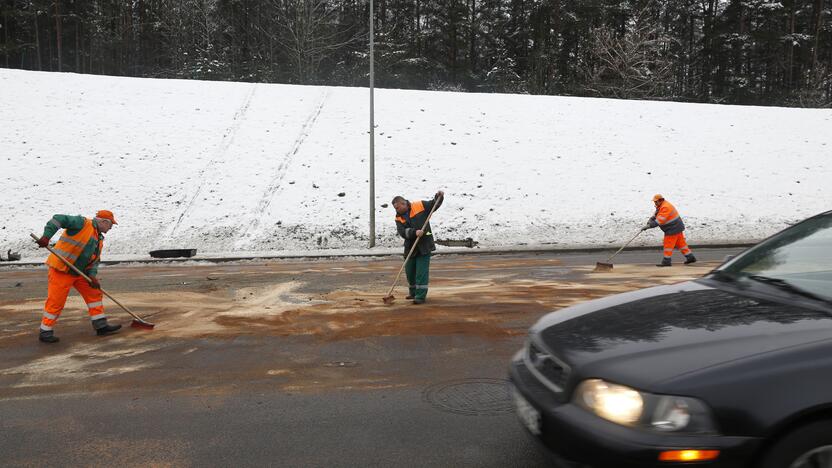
(797, 261)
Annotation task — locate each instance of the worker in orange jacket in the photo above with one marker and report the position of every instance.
(667, 218)
(81, 244)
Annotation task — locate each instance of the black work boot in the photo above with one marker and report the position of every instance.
(689, 258)
(102, 328)
(408, 297)
(665, 262)
(48, 336)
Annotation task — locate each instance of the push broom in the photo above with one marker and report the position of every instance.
(138, 322)
(607, 266)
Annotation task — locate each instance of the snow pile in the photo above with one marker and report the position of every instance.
(237, 167)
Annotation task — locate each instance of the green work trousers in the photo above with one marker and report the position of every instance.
(418, 273)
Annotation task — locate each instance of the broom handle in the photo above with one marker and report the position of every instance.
(624, 246)
(396, 281)
(76, 270)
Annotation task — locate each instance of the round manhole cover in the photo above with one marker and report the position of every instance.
(471, 396)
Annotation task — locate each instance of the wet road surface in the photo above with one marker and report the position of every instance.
(291, 363)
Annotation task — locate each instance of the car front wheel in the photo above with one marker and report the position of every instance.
(809, 446)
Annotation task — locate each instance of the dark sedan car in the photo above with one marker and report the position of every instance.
(733, 369)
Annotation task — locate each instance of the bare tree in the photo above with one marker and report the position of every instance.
(632, 64)
(817, 92)
(308, 31)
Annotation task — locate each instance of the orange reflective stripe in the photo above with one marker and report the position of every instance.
(65, 254)
(65, 238)
(48, 320)
(400, 219)
(95, 314)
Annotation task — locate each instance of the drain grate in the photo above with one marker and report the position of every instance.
(473, 397)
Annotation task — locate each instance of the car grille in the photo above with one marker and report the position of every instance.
(550, 370)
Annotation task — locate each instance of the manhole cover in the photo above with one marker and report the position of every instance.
(471, 396)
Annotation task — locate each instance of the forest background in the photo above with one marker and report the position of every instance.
(751, 52)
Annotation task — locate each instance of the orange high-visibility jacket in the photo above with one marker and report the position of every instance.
(668, 219)
(72, 246)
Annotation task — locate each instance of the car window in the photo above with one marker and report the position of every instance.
(800, 256)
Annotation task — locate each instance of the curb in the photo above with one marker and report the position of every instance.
(449, 251)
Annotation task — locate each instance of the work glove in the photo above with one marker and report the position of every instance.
(94, 283)
(43, 242)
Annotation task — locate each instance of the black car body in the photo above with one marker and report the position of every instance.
(734, 369)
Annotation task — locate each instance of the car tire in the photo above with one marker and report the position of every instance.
(787, 452)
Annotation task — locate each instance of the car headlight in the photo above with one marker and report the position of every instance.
(629, 407)
(617, 403)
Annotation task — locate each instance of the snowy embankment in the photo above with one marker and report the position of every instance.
(240, 167)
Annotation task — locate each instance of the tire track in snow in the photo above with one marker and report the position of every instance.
(280, 172)
(227, 141)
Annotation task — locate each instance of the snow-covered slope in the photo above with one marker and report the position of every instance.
(233, 167)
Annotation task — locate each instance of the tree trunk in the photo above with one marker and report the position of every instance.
(418, 28)
(58, 41)
(790, 73)
(78, 46)
(737, 48)
(818, 14)
(37, 41)
(49, 48)
(472, 35)
(689, 75)
(707, 48)
(6, 36)
(453, 31)
(91, 49)
(558, 71)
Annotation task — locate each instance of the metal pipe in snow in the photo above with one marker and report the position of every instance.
(372, 135)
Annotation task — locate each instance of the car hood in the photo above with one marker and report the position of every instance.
(647, 337)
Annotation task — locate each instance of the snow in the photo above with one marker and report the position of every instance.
(241, 167)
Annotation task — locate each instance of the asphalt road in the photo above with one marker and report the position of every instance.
(290, 363)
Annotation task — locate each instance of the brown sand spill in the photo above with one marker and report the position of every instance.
(493, 299)
(486, 303)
